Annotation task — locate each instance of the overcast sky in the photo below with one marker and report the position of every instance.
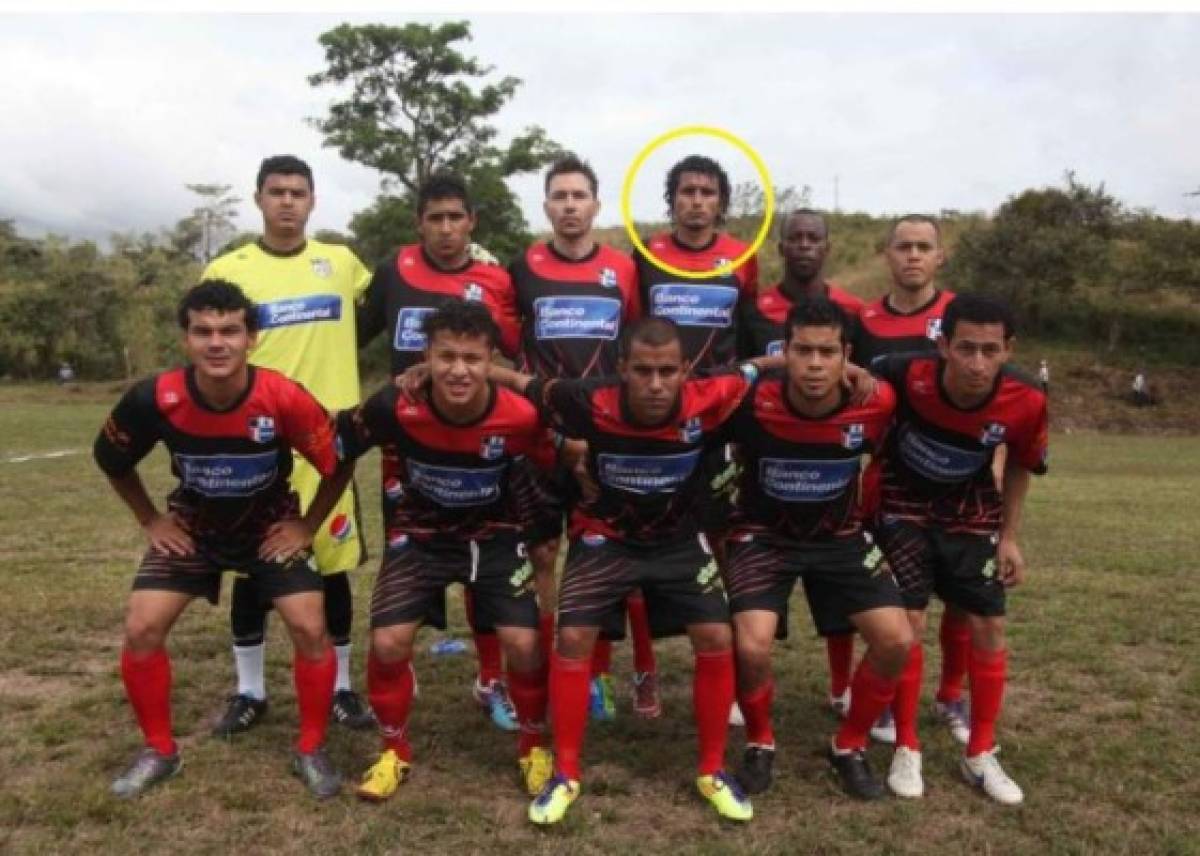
(103, 119)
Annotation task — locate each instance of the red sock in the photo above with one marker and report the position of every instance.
(314, 681)
(712, 697)
(602, 657)
(147, 679)
(988, 670)
(528, 693)
(546, 634)
(870, 695)
(955, 636)
(639, 627)
(840, 651)
(487, 644)
(569, 708)
(908, 694)
(756, 709)
(390, 691)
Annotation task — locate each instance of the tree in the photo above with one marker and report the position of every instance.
(417, 106)
(210, 224)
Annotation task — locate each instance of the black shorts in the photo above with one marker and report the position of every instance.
(960, 568)
(841, 578)
(545, 521)
(680, 582)
(199, 575)
(413, 577)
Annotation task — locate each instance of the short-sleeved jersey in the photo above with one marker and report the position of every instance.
(408, 286)
(232, 464)
(452, 482)
(706, 310)
(937, 462)
(650, 479)
(306, 313)
(800, 474)
(882, 330)
(572, 310)
(763, 319)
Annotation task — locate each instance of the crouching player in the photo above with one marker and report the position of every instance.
(800, 440)
(945, 527)
(463, 452)
(230, 429)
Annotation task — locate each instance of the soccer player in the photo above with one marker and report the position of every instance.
(462, 458)
(305, 291)
(804, 245)
(800, 441)
(944, 525)
(404, 290)
(909, 318)
(574, 295)
(646, 432)
(230, 429)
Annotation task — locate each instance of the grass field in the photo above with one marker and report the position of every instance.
(1100, 723)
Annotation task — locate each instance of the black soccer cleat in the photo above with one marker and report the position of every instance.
(242, 714)
(755, 773)
(855, 776)
(349, 711)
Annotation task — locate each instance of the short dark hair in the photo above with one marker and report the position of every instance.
(283, 165)
(816, 312)
(443, 185)
(218, 295)
(913, 218)
(977, 309)
(786, 220)
(462, 318)
(569, 164)
(649, 330)
(704, 166)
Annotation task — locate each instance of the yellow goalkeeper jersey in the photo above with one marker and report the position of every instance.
(306, 304)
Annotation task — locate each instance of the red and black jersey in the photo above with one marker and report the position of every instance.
(450, 481)
(937, 463)
(800, 475)
(408, 287)
(763, 319)
(882, 330)
(650, 479)
(572, 309)
(232, 464)
(706, 310)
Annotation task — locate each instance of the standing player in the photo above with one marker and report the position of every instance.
(230, 430)
(407, 288)
(305, 291)
(800, 441)
(943, 524)
(462, 459)
(909, 318)
(804, 245)
(646, 434)
(574, 295)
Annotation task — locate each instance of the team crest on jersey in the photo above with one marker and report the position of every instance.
(933, 328)
(341, 528)
(492, 447)
(262, 429)
(322, 268)
(608, 277)
(852, 436)
(393, 488)
(397, 539)
(993, 434)
(690, 431)
(472, 291)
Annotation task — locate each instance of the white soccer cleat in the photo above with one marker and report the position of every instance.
(735, 716)
(904, 777)
(954, 715)
(984, 772)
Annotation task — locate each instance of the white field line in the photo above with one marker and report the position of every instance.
(38, 456)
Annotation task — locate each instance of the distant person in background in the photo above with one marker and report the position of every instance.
(1044, 376)
(66, 374)
(1141, 390)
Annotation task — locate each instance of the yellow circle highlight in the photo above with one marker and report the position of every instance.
(744, 148)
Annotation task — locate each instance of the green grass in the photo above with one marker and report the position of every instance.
(1100, 723)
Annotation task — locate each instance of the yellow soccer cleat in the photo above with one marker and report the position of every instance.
(536, 769)
(552, 803)
(725, 796)
(384, 777)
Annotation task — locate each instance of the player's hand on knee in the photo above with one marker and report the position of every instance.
(1010, 562)
(285, 539)
(168, 536)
